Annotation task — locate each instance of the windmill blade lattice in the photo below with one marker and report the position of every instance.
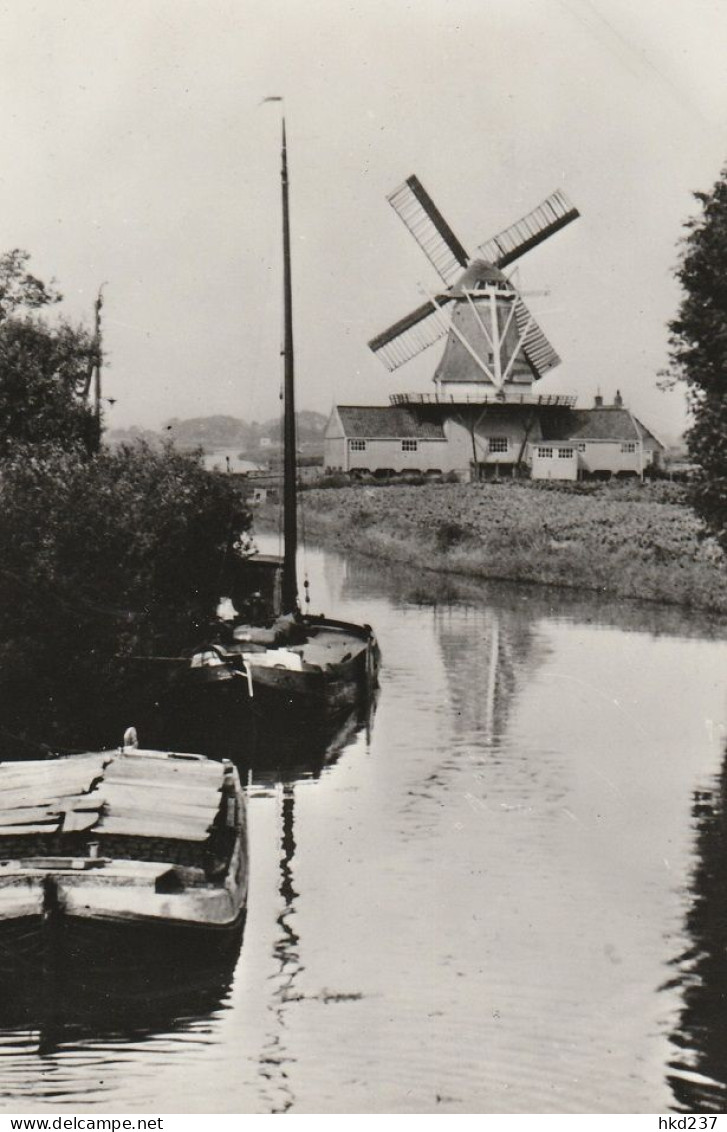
(415, 207)
(553, 214)
(538, 350)
(412, 334)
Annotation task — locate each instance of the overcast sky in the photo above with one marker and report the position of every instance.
(136, 153)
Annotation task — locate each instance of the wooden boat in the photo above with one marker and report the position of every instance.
(293, 662)
(302, 664)
(115, 849)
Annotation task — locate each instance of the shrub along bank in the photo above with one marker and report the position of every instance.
(636, 541)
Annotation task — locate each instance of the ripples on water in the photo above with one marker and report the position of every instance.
(504, 891)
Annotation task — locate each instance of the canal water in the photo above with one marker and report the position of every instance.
(503, 889)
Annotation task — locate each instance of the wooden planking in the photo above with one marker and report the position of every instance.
(72, 765)
(79, 821)
(153, 827)
(25, 830)
(135, 795)
(152, 796)
(52, 800)
(30, 816)
(139, 768)
(83, 776)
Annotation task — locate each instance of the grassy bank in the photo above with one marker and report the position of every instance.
(629, 541)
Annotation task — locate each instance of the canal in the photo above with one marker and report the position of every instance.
(503, 889)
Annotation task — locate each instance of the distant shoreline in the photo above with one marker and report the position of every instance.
(632, 541)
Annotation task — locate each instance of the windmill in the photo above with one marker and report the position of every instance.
(492, 337)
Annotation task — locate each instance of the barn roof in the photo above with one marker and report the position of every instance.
(607, 422)
(388, 422)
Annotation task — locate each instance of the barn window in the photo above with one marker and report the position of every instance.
(498, 444)
(566, 453)
(581, 447)
(357, 445)
(545, 453)
(409, 445)
(629, 446)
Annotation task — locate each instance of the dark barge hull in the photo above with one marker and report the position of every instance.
(84, 943)
(80, 983)
(280, 691)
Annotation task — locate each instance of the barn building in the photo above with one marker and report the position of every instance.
(547, 438)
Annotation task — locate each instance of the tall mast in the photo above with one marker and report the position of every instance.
(290, 486)
(97, 382)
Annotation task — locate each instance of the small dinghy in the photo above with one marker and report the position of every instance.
(115, 849)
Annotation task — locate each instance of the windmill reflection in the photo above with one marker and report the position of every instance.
(486, 667)
(486, 639)
(698, 1072)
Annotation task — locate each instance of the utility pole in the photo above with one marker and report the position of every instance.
(97, 362)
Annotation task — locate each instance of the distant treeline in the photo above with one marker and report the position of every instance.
(217, 433)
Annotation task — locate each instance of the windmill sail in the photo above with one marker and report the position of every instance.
(428, 323)
(415, 207)
(412, 334)
(554, 213)
(538, 350)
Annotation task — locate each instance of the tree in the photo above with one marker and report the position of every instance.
(103, 555)
(100, 560)
(43, 369)
(19, 289)
(43, 372)
(698, 351)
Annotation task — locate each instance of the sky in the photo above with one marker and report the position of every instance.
(137, 154)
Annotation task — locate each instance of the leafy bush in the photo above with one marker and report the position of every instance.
(698, 341)
(45, 369)
(449, 534)
(99, 559)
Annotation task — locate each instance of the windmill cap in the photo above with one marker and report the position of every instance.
(478, 272)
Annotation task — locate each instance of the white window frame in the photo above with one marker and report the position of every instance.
(497, 444)
(357, 445)
(566, 453)
(545, 453)
(410, 445)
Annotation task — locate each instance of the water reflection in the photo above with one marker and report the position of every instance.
(365, 578)
(698, 1071)
(492, 880)
(71, 1020)
(485, 663)
(286, 755)
(275, 1058)
(58, 1010)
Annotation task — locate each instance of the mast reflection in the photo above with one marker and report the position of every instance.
(275, 1059)
(281, 767)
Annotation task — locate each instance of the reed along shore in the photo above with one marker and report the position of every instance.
(622, 539)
